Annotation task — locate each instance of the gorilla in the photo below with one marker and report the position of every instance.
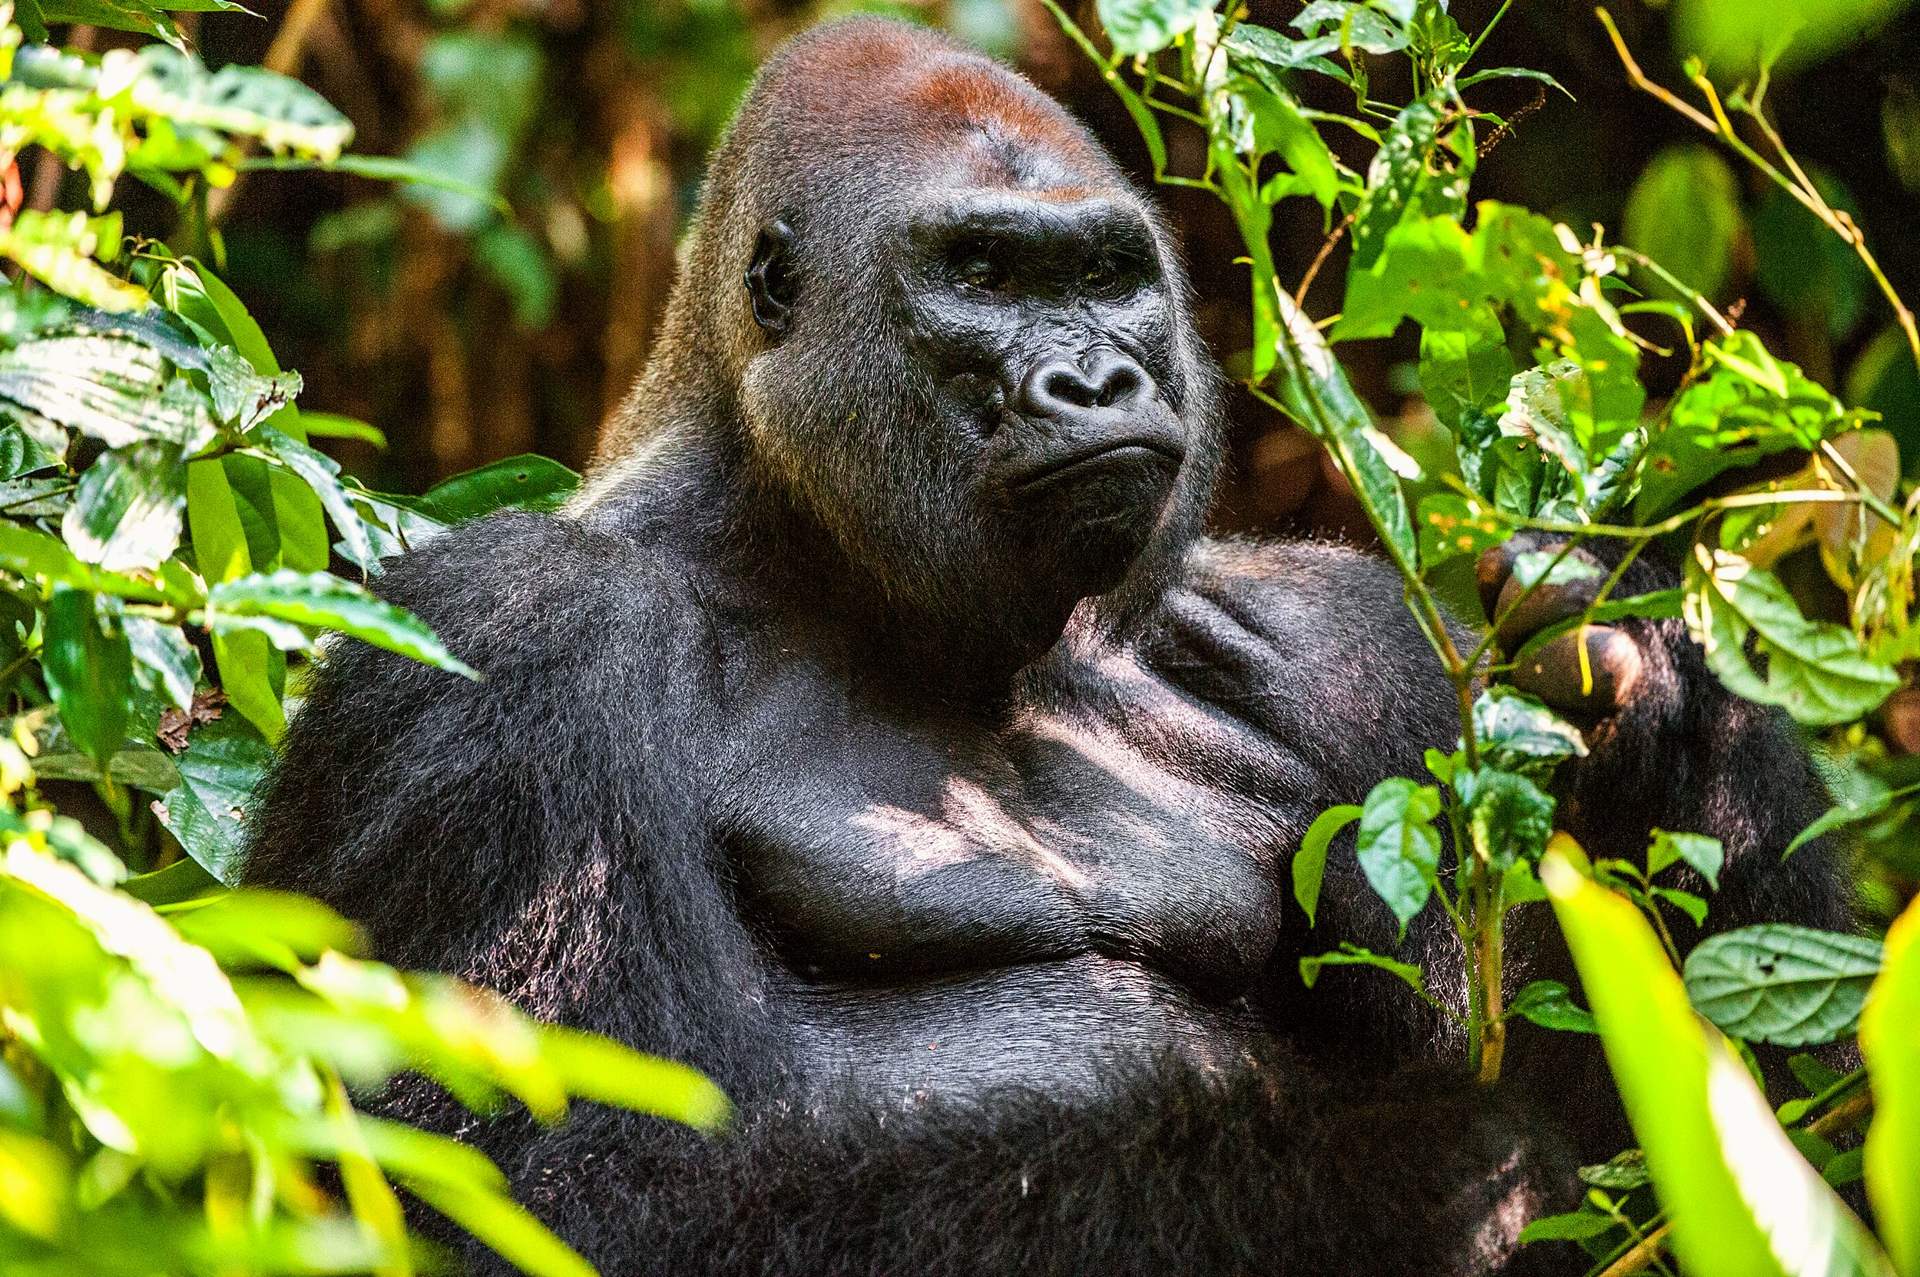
(880, 732)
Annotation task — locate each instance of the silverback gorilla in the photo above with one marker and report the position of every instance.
(879, 732)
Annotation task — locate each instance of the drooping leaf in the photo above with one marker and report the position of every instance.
(1788, 985)
(1310, 862)
(1816, 670)
(1704, 853)
(220, 548)
(1550, 1004)
(89, 670)
(1398, 846)
(1509, 817)
(126, 510)
(1139, 27)
(317, 601)
(1518, 733)
(219, 771)
(1352, 955)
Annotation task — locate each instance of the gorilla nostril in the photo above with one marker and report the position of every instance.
(1112, 381)
(1119, 382)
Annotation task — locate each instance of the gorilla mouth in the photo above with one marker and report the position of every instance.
(1111, 453)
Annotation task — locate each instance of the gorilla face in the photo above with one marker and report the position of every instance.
(1043, 325)
(968, 354)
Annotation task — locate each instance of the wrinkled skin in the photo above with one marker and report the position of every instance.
(880, 733)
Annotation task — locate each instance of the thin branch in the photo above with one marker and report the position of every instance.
(1645, 1253)
(1320, 259)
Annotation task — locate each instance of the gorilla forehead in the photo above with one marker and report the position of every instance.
(908, 99)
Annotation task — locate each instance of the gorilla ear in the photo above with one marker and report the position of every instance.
(770, 281)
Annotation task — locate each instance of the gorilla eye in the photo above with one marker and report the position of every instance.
(1116, 273)
(977, 264)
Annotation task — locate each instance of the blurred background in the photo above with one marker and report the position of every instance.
(467, 335)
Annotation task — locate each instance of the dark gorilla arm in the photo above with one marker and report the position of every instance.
(543, 833)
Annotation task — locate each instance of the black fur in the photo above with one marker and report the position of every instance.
(941, 818)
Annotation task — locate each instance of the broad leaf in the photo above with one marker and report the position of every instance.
(1788, 985)
(89, 670)
(1139, 27)
(1816, 670)
(1520, 734)
(1398, 846)
(517, 483)
(219, 771)
(126, 510)
(317, 601)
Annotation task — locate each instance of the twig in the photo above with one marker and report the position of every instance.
(1320, 258)
(1646, 1251)
(1798, 185)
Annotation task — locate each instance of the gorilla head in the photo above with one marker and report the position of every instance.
(962, 351)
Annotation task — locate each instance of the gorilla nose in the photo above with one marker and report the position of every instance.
(1062, 388)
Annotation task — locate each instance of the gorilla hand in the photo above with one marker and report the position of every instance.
(1592, 683)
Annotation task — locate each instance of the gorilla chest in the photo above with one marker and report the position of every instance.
(878, 845)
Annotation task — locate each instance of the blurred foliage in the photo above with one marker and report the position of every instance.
(176, 1058)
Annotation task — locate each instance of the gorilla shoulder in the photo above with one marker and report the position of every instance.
(519, 589)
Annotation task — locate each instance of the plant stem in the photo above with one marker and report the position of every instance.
(1798, 186)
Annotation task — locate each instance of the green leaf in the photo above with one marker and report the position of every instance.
(321, 473)
(89, 670)
(1139, 27)
(1624, 1171)
(319, 601)
(1685, 901)
(58, 250)
(1509, 817)
(220, 548)
(525, 482)
(1892, 1051)
(1310, 862)
(1817, 671)
(1803, 267)
(1788, 985)
(1549, 1004)
(126, 509)
(165, 661)
(1399, 186)
(1684, 212)
(1398, 846)
(32, 554)
(1520, 734)
(1352, 955)
(503, 1226)
(387, 168)
(241, 101)
(180, 881)
(595, 1068)
(329, 425)
(142, 767)
(1704, 853)
(222, 766)
(1873, 800)
(1317, 395)
(113, 386)
(1743, 1202)
(1463, 371)
(1574, 1226)
(1353, 25)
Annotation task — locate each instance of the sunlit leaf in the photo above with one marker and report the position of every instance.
(1892, 1051)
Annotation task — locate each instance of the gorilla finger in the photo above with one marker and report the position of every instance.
(1553, 673)
(1520, 611)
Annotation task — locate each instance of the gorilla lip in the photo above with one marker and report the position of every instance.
(1115, 450)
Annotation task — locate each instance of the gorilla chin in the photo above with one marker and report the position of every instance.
(1091, 516)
